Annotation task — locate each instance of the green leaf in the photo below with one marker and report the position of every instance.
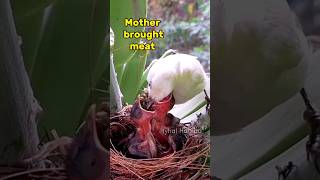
(271, 135)
(68, 54)
(143, 81)
(119, 11)
(130, 81)
(23, 8)
(30, 29)
(193, 105)
(129, 64)
(297, 155)
(115, 92)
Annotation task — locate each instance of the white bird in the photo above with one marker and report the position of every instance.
(261, 59)
(179, 74)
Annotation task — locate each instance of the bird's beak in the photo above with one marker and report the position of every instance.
(165, 104)
(160, 118)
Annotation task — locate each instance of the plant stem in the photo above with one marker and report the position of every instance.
(18, 106)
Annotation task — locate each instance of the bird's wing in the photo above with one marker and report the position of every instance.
(181, 74)
(190, 79)
(260, 63)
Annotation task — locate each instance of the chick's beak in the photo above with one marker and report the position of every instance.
(160, 119)
(142, 144)
(164, 106)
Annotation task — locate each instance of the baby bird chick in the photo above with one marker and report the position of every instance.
(87, 159)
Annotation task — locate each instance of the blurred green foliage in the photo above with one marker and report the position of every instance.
(186, 25)
(63, 45)
(129, 64)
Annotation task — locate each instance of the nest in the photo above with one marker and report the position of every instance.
(191, 161)
(48, 163)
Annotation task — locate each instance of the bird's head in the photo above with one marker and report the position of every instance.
(160, 85)
(87, 158)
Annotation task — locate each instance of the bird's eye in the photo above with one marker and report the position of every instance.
(149, 84)
(93, 162)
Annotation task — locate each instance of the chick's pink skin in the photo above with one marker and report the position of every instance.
(142, 144)
(151, 126)
(160, 124)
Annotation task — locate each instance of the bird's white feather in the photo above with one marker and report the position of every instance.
(261, 60)
(179, 74)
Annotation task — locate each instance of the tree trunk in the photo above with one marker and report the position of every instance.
(18, 107)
